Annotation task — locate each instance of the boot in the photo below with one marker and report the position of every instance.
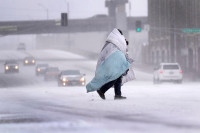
(118, 97)
(101, 94)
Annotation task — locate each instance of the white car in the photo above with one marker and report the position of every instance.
(168, 72)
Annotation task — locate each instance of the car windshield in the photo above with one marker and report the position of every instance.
(11, 62)
(53, 69)
(21, 45)
(71, 72)
(171, 67)
(42, 65)
(29, 58)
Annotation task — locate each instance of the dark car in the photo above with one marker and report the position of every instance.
(41, 69)
(71, 77)
(51, 73)
(11, 66)
(29, 61)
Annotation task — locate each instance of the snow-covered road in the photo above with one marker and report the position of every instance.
(30, 105)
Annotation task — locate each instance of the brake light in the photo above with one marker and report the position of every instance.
(161, 71)
(181, 71)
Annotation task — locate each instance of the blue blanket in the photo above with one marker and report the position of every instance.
(112, 68)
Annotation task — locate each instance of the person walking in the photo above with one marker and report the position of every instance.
(112, 66)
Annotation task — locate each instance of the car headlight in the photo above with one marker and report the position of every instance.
(64, 80)
(26, 61)
(7, 67)
(16, 67)
(82, 79)
(33, 61)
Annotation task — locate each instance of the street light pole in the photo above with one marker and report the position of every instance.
(47, 14)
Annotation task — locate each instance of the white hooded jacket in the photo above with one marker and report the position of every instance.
(116, 41)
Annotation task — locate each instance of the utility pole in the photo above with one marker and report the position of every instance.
(173, 34)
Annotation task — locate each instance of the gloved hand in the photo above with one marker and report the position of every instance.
(125, 73)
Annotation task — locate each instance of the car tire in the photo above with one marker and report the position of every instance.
(154, 81)
(179, 81)
(45, 79)
(158, 81)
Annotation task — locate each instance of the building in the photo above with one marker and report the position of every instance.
(174, 34)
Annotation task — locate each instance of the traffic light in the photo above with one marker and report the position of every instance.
(138, 26)
(64, 19)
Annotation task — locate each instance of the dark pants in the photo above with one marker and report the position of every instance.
(117, 86)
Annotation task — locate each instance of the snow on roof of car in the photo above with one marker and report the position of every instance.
(169, 63)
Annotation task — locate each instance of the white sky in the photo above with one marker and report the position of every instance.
(37, 9)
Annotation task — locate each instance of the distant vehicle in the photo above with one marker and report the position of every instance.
(41, 69)
(29, 60)
(71, 77)
(51, 73)
(168, 72)
(11, 66)
(21, 46)
(100, 16)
